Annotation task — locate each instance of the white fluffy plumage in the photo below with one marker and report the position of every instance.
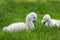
(47, 21)
(30, 19)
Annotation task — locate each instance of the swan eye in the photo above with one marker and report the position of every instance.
(34, 17)
(46, 20)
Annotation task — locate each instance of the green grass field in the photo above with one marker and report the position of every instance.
(12, 11)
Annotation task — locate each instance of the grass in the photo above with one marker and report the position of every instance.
(12, 11)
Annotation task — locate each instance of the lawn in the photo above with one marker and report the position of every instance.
(12, 11)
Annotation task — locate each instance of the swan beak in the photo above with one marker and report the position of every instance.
(44, 23)
(34, 21)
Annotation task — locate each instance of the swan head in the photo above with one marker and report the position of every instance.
(46, 19)
(5, 29)
(31, 17)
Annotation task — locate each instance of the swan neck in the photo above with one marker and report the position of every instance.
(49, 21)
